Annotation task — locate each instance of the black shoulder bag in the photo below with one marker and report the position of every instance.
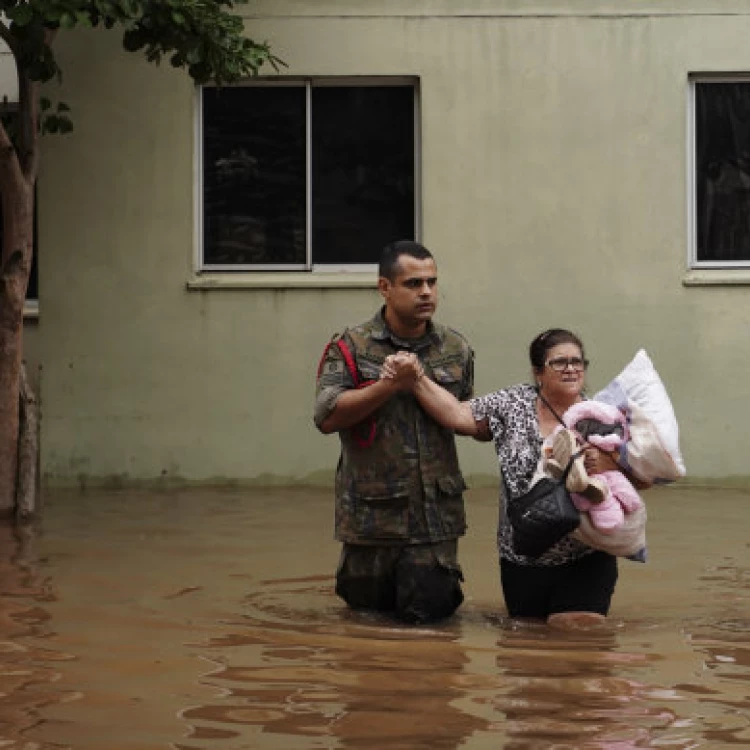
(545, 514)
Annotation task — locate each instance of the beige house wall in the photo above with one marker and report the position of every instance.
(554, 170)
(8, 77)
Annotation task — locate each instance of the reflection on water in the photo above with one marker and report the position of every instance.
(28, 666)
(193, 620)
(326, 674)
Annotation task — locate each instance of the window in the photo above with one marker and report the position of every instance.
(306, 175)
(720, 172)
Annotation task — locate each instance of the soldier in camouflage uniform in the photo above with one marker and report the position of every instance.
(399, 502)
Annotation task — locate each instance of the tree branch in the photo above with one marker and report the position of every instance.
(5, 142)
(28, 111)
(11, 181)
(28, 131)
(10, 169)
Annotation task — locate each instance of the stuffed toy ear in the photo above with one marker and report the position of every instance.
(593, 410)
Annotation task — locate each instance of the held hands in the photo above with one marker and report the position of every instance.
(597, 462)
(403, 370)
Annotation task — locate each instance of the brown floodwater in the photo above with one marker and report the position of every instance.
(206, 619)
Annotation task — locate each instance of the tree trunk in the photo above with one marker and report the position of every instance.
(19, 160)
(14, 276)
(27, 493)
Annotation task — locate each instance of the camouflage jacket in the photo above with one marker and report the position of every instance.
(406, 488)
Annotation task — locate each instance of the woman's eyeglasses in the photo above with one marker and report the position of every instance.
(560, 364)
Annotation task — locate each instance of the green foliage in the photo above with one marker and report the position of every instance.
(202, 36)
(54, 120)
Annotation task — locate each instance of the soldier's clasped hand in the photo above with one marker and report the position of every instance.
(404, 368)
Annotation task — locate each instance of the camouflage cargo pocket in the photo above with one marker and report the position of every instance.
(381, 512)
(449, 376)
(451, 504)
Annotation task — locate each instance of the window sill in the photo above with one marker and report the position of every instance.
(282, 280)
(717, 277)
(31, 310)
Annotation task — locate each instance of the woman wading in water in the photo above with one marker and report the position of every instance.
(571, 584)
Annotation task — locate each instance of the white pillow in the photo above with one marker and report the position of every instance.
(627, 540)
(653, 451)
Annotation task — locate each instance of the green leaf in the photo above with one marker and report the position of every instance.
(21, 15)
(84, 19)
(194, 55)
(203, 37)
(133, 40)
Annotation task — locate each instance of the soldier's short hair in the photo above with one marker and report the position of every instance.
(394, 250)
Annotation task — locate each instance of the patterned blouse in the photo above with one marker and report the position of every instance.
(511, 414)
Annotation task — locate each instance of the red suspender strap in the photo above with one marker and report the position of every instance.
(349, 359)
(351, 364)
(323, 358)
(364, 432)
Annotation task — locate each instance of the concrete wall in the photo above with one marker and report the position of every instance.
(8, 77)
(554, 193)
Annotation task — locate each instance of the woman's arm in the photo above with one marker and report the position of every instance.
(597, 461)
(639, 484)
(448, 411)
(439, 403)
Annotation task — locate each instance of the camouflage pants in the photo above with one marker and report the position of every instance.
(416, 583)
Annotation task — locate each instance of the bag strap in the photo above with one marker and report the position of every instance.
(352, 365)
(323, 358)
(549, 406)
(368, 424)
(569, 465)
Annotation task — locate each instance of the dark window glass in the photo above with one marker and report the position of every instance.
(32, 290)
(362, 171)
(722, 127)
(254, 175)
(361, 151)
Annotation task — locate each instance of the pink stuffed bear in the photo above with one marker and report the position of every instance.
(606, 496)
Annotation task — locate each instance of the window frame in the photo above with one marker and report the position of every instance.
(309, 267)
(692, 178)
